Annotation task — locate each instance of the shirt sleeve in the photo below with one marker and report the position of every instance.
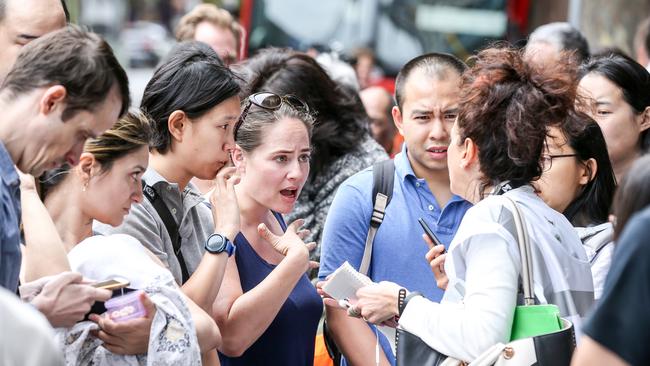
(346, 227)
(620, 321)
(466, 329)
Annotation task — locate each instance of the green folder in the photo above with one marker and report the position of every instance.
(534, 320)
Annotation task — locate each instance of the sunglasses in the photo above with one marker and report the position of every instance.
(269, 101)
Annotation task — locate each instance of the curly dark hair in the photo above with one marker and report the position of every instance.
(507, 105)
(341, 120)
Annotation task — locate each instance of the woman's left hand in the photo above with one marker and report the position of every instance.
(129, 337)
(377, 303)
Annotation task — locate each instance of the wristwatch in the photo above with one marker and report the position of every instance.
(218, 243)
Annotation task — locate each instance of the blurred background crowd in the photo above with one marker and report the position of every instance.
(376, 36)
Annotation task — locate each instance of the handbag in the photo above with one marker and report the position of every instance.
(539, 336)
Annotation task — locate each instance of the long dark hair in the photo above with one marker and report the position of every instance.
(341, 120)
(508, 104)
(193, 80)
(593, 204)
(633, 194)
(632, 78)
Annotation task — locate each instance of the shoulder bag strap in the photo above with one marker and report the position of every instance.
(523, 240)
(170, 225)
(383, 174)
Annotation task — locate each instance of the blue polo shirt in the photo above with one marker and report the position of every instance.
(10, 255)
(398, 250)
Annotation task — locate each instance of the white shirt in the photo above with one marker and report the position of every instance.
(103, 257)
(483, 267)
(27, 339)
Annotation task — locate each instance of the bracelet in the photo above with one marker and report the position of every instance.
(401, 295)
(407, 299)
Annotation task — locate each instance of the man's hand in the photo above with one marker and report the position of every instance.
(130, 337)
(64, 300)
(225, 209)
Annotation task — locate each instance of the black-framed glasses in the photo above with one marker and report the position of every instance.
(547, 160)
(270, 101)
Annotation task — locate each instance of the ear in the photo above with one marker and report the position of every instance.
(238, 159)
(469, 155)
(177, 124)
(86, 167)
(52, 98)
(644, 124)
(397, 119)
(589, 170)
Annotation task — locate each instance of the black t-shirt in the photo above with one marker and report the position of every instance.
(621, 321)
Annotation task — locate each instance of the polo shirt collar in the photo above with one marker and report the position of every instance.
(403, 165)
(7, 168)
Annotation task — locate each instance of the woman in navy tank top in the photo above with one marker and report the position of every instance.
(267, 309)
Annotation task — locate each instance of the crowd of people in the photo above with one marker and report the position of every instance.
(218, 210)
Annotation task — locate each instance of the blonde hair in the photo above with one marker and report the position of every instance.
(130, 133)
(208, 13)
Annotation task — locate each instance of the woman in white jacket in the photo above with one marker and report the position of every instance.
(495, 150)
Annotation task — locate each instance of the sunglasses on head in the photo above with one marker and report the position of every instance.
(270, 101)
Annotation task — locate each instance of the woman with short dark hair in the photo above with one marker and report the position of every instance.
(193, 102)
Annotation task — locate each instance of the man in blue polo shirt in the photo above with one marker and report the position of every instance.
(426, 92)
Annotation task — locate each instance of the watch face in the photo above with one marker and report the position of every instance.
(216, 243)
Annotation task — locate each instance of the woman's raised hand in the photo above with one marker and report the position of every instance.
(290, 241)
(225, 209)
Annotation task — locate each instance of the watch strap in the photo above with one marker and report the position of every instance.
(408, 297)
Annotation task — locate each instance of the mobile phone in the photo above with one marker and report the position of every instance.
(112, 284)
(429, 232)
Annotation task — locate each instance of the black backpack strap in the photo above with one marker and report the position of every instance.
(383, 174)
(170, 225)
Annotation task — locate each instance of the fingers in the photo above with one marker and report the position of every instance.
(149, 306)
(438, 264)
(311, 246)
(354, 312)
(232, 181)
(313, 264)
(273, 239)
(328, 301)
(303, 233)
(98, 294)
(64, 279)
(295, 226)
(435, 252)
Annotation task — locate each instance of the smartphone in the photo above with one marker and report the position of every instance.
(429, 232)
(98, 307)
(112, 284)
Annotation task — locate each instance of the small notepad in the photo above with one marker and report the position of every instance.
(343, 285)
(345, 282)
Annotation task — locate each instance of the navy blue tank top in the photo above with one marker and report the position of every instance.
(289, 340)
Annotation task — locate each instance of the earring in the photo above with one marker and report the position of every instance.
(83, 188)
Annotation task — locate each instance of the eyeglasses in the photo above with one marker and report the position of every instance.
(270, 101)
(547, 160)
